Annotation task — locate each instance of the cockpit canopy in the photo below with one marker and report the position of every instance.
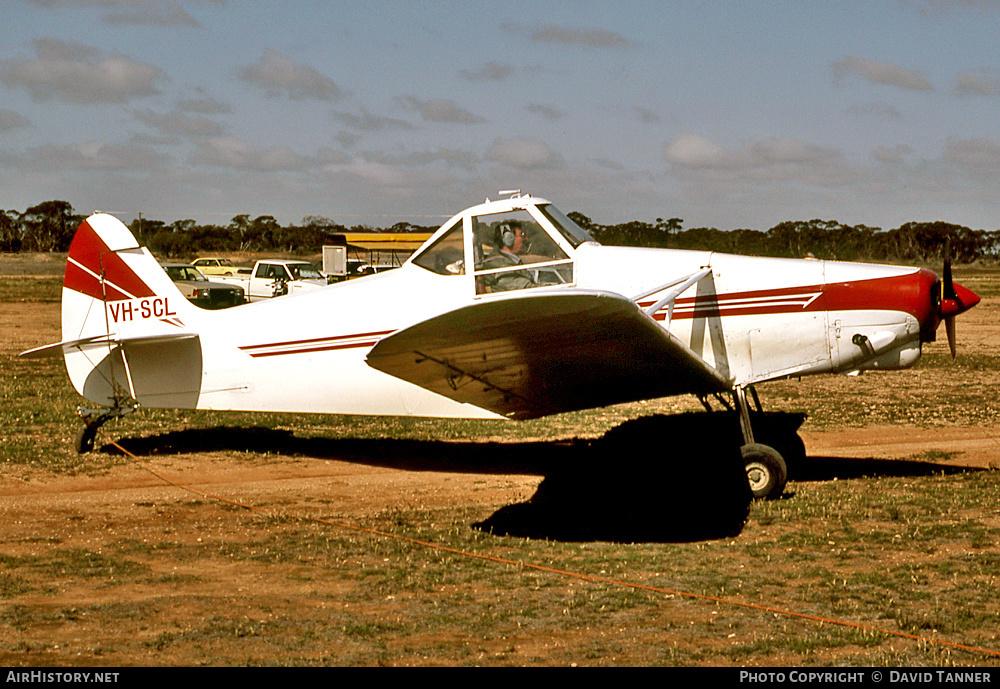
(516, 243)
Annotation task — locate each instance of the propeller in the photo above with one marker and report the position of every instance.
(953, 300)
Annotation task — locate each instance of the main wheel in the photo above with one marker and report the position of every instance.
(766, 471)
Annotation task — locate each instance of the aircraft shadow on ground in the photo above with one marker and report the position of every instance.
(610, 489)
(835, 468)
(654, 479)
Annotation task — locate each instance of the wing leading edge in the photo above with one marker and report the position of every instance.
(534, 354)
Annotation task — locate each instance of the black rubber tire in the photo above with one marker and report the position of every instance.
(766, 471)
(84, 442)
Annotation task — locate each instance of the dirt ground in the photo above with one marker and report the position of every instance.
(970, 446)
(169, 512)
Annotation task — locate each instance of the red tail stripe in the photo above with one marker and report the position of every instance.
(80, 280)
(88, 252)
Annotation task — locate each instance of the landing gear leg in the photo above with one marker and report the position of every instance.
(93, 419)
(767, 472)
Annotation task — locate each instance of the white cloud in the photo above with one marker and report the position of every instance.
(757, 162)
(371, 171)
(601, 39)
(180, 124)
(71, 72)
(545, 111)
(978, 158)
(204, 105)
(491, 71)
(93, 156)
(11, 120)
(236, 154)
(149, 13)
(279, 75)
(367, 122)
(883, 73)
(938, 7)
(646, 116)
(874, 110)
(691, 150)
(440, 110)
(524, 153)
(137, 12)
(784, 150)
(233, 153)
(450, 157)
(979, 84)
(894, 155)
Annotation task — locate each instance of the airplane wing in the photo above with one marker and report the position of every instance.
(533, 354)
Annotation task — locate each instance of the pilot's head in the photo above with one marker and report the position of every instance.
(510, 237)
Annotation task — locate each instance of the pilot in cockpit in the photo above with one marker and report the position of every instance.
(509, 243)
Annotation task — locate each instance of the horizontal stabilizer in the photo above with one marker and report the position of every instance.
(539, 353)
(60, 348)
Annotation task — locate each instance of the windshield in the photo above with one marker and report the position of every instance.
(444, 256)
(573, 233)
(184, 273)
(304, 271)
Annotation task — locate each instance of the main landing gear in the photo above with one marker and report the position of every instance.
(767, 453)
(767, 471)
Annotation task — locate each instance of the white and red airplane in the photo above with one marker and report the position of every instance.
(509, 310)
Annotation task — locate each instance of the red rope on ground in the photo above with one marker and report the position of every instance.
(553, 570)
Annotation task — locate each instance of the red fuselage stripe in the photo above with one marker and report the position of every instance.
(318, 344)
(910, 293)
(309, 350)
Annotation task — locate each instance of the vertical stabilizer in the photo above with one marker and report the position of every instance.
(133, 332)
(106, 265)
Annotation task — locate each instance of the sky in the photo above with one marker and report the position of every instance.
(724, 114)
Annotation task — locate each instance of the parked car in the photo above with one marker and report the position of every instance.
(200, 290)
(273, 277)
(211, 265)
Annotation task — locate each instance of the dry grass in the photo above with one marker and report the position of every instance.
(136, 574)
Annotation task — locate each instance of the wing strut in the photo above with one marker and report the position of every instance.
(681, 283)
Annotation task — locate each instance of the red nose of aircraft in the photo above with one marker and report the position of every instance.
(961, 299)
(945, 300)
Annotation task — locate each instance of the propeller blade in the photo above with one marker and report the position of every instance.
(951, 303)
(949, 326)
(947, 285)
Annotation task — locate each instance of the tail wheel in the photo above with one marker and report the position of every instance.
(85, 439)
(766, 471)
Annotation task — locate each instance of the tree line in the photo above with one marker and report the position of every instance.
(49, 227)
(921, 242)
